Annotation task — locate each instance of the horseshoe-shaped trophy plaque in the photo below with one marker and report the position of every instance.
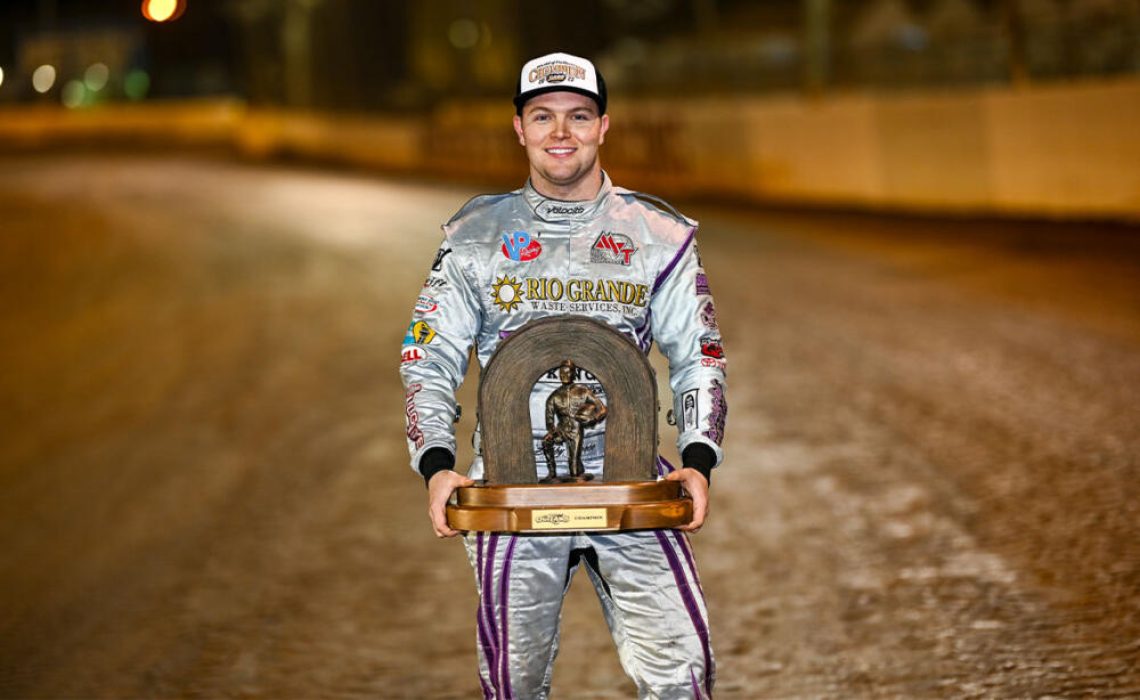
(511, 498)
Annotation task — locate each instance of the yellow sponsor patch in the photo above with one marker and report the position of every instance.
(568, 519)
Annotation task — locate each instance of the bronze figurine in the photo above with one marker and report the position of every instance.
(576, 408)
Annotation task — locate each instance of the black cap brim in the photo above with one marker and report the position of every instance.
(599, 98)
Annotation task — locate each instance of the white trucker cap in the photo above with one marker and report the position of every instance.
(560, 71)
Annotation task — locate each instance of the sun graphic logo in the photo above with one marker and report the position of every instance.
(506, 292)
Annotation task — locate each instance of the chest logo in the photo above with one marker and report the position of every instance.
(612, 248)
(520, 247)
(507, 293)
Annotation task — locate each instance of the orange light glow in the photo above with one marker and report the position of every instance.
(163, 10)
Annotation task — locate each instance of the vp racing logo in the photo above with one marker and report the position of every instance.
(613, 248)
(520, 247)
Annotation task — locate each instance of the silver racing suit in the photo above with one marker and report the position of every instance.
(629, 261)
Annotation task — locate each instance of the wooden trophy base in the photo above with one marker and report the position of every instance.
(622, 505)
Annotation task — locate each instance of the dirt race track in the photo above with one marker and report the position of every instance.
(932, 487)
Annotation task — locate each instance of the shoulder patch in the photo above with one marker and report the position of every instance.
(657, 204)
(478, 202)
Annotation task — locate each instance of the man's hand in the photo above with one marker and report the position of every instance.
(440, 488)
(697, 487)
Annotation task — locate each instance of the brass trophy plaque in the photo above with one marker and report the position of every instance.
(512, 498)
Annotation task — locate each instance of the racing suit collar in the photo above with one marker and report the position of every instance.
(554, 210)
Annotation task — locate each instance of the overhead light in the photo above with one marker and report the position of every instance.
(43, 78)
(163, 10)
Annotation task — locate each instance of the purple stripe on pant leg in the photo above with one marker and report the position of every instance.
(673, 263)
(690, 605)
(480, 620)
(504, 590)
(486, 608)
(487, 589)
(696, 685)
(687, 550)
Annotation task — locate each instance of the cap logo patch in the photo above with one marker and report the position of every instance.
(556, 73)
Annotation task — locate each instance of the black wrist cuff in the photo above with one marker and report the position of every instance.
(436, 459)
(700, 457)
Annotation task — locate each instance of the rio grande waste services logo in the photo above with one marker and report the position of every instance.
(507, 293)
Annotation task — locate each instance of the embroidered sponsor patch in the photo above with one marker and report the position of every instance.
(713, 362)
(708, 316)
(414, 433)
(434, 283)
(439, 256)
(506, 292)
(426, 305)
(703, 284)
(420, 332)
(520, 247)
(547, 209)
(412, 353)
(575, 294)
(689, 415)
(717, 413)
(711, 347)
(613, 248)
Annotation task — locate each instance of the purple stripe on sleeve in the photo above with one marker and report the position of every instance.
(504, 591)
(690, 605)
(696, 686)
(673, 263)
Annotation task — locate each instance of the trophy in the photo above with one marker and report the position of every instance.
(512, 497)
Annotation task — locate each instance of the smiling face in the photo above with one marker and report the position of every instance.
(561, 132)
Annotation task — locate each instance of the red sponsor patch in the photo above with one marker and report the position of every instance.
(520, 246)
(713, 362)
(712, 348)
(412, 353)
(612, 248)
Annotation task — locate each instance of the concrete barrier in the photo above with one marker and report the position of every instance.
(1065, 150)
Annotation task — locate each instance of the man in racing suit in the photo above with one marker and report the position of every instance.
(570, 242)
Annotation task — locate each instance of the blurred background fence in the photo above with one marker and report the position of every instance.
(979, 106)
